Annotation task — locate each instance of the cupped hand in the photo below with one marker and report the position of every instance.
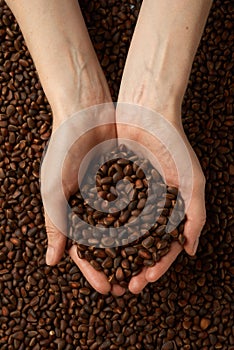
(70, 142)
(180, 168)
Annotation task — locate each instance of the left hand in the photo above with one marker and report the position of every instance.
(192, 190)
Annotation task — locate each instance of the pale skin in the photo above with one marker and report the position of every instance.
(155, 76)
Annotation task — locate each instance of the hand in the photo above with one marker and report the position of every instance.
(153, 78)
(191, 187)
(69, 143)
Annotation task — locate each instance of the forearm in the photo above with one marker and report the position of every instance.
(63, 54)
(162, 52)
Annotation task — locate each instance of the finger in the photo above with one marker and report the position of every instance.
(117, 290)
(96, 278)
(196, 217)
(155, 272)
(138, 283)
(56, 242)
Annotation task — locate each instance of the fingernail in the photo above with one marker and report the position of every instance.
(195, 246)
(49, 255)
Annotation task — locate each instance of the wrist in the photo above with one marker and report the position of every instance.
(154, 86)
(162, 100)
(79, 90)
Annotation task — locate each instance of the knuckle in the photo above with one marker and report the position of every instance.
(52, 233)
(151, 279)
(200, 180)
(203, 219)
(49, 184)
(203, 214)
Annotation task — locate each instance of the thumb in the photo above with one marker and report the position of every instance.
(97, 279)
(56, 242)
(196, 217)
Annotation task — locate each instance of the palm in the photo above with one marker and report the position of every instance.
(191, 188)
